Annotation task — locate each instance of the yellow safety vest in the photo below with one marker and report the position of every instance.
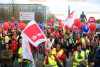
(20, 54)
(52, 61)
(57, 54)
(53, 51)
(78, 60)
(87, 52)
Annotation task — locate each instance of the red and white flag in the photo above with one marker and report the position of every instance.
(34, 34)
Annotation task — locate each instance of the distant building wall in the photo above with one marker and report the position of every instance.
(8, 10)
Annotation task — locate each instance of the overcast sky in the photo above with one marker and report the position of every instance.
(90, 7)
(59, 7)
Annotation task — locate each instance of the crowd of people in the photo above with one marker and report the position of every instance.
(76, 49)
(10, 41)
(65, 48)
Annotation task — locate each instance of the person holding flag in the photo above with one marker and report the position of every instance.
(32, 34)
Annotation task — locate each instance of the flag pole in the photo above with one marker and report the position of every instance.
(68, 10)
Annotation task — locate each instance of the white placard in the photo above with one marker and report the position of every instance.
(26, 16)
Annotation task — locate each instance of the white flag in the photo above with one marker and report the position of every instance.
(70, 20)
(26, 51)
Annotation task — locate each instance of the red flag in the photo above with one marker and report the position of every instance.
(34, 34)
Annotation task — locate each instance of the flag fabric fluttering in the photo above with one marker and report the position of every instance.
(34, 35)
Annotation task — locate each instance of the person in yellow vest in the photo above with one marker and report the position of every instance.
(20, 55)
(50, 60)
(56, 57)
(85, 46)
(21, 60)
(78, 56)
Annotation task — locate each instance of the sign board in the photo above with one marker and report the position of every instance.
(26, 16)
(92, 19)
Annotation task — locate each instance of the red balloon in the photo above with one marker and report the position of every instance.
(77, 23)
(92, 26)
